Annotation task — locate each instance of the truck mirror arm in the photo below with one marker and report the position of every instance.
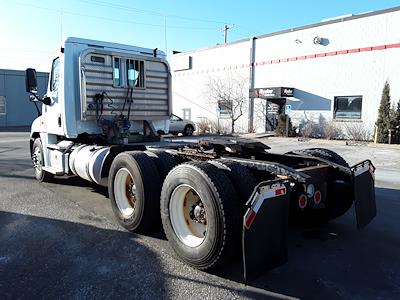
(35, 98)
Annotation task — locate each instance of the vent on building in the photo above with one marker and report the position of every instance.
(2, 105)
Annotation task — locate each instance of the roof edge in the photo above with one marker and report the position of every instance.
(313, 25)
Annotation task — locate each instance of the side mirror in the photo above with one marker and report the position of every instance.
(30, 81)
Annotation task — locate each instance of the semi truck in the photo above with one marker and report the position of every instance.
(217, 199)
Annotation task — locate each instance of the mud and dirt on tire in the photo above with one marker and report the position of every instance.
(224, 221)
(147, 186)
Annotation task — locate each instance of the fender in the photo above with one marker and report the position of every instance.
(38, 126)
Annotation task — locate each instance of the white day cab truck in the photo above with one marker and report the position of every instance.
(219, 198)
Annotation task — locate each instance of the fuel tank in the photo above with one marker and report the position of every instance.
(86, 161)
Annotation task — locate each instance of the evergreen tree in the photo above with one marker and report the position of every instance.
(396, 121)
(383, 122)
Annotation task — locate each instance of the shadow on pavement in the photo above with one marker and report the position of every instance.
(337, 261)
(52, 259)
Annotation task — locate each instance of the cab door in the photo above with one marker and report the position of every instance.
(53, 112)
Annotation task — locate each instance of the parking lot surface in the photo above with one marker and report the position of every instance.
(60, 240)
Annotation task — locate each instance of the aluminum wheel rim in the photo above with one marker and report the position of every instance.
(184, 200)
(37, 160)
(125, 192)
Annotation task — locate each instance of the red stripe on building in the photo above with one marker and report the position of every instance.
(309, 56)
(365, 49)
(383, 47)
(353, 50)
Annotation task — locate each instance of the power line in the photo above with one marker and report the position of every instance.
(24, 50)
(102, 18)
(187, 99)
(149, 12)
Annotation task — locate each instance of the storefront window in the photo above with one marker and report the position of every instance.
(347, 107)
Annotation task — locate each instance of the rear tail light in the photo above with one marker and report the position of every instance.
(302, 201)
(317, 197)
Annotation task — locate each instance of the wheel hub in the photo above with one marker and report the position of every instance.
(37, 160)
(188, 215)
(198, 213)
(125, 192)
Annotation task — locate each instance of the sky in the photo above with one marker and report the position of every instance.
(32, 29)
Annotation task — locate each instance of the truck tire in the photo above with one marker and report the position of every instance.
(134, 189)
(38, 162)
(334, 207)
(164, 162)
(242, 178)
(200, 215)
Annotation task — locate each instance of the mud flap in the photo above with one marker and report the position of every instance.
(364, 192)
(265, 226)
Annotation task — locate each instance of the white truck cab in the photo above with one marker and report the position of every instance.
(100, 91)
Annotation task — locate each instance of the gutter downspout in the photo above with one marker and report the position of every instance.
(251, 83)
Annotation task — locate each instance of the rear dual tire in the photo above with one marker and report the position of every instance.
(201, 186)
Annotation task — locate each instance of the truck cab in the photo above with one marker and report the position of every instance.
(102, 91)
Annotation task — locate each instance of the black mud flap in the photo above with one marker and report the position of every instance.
(364, 192)
(265, 226)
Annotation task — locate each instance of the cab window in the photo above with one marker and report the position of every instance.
(55, 78)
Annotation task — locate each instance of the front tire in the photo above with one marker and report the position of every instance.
(38, 162)
(200, 215)
(188, 130)
(134, 190)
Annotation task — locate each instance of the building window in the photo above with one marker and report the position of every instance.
(2, 105)
(347, 107)
(117, 71)
(187, 114)
(135, 73)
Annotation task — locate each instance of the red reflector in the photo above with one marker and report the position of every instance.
(281, 191)
(317, 197)
(250, 219)
(302, 201)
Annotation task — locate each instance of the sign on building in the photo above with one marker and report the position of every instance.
(225, 109)
(271, 92)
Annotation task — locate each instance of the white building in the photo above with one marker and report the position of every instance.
(337, 69)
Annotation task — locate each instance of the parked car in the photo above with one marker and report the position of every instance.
(179, 125)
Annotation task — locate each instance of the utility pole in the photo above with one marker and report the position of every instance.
(226, 28)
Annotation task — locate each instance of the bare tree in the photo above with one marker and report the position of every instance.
(229, 94)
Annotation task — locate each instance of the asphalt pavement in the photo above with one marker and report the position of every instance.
(60, 240)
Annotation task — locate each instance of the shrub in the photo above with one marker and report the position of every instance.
(357, 132)
(203, 126)
(219, 127)
(281, 128)
(331, 131)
